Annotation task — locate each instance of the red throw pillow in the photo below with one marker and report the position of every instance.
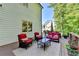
(55, 37)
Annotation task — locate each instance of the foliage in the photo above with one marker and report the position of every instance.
(66, 17)
(71, 51)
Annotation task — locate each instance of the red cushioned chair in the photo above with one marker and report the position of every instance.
(24, 41)
(37, 36)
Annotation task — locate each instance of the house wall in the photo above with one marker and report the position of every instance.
(48, 26)
(11, 16)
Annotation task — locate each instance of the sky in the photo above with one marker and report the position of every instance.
(47, 13)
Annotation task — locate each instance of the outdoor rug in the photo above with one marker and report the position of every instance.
(52, 50)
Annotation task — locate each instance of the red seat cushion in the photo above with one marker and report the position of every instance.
(28, 41)
(24, 39)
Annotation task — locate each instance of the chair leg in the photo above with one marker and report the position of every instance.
(20, 45)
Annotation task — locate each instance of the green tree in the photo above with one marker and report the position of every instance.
(66, 17)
